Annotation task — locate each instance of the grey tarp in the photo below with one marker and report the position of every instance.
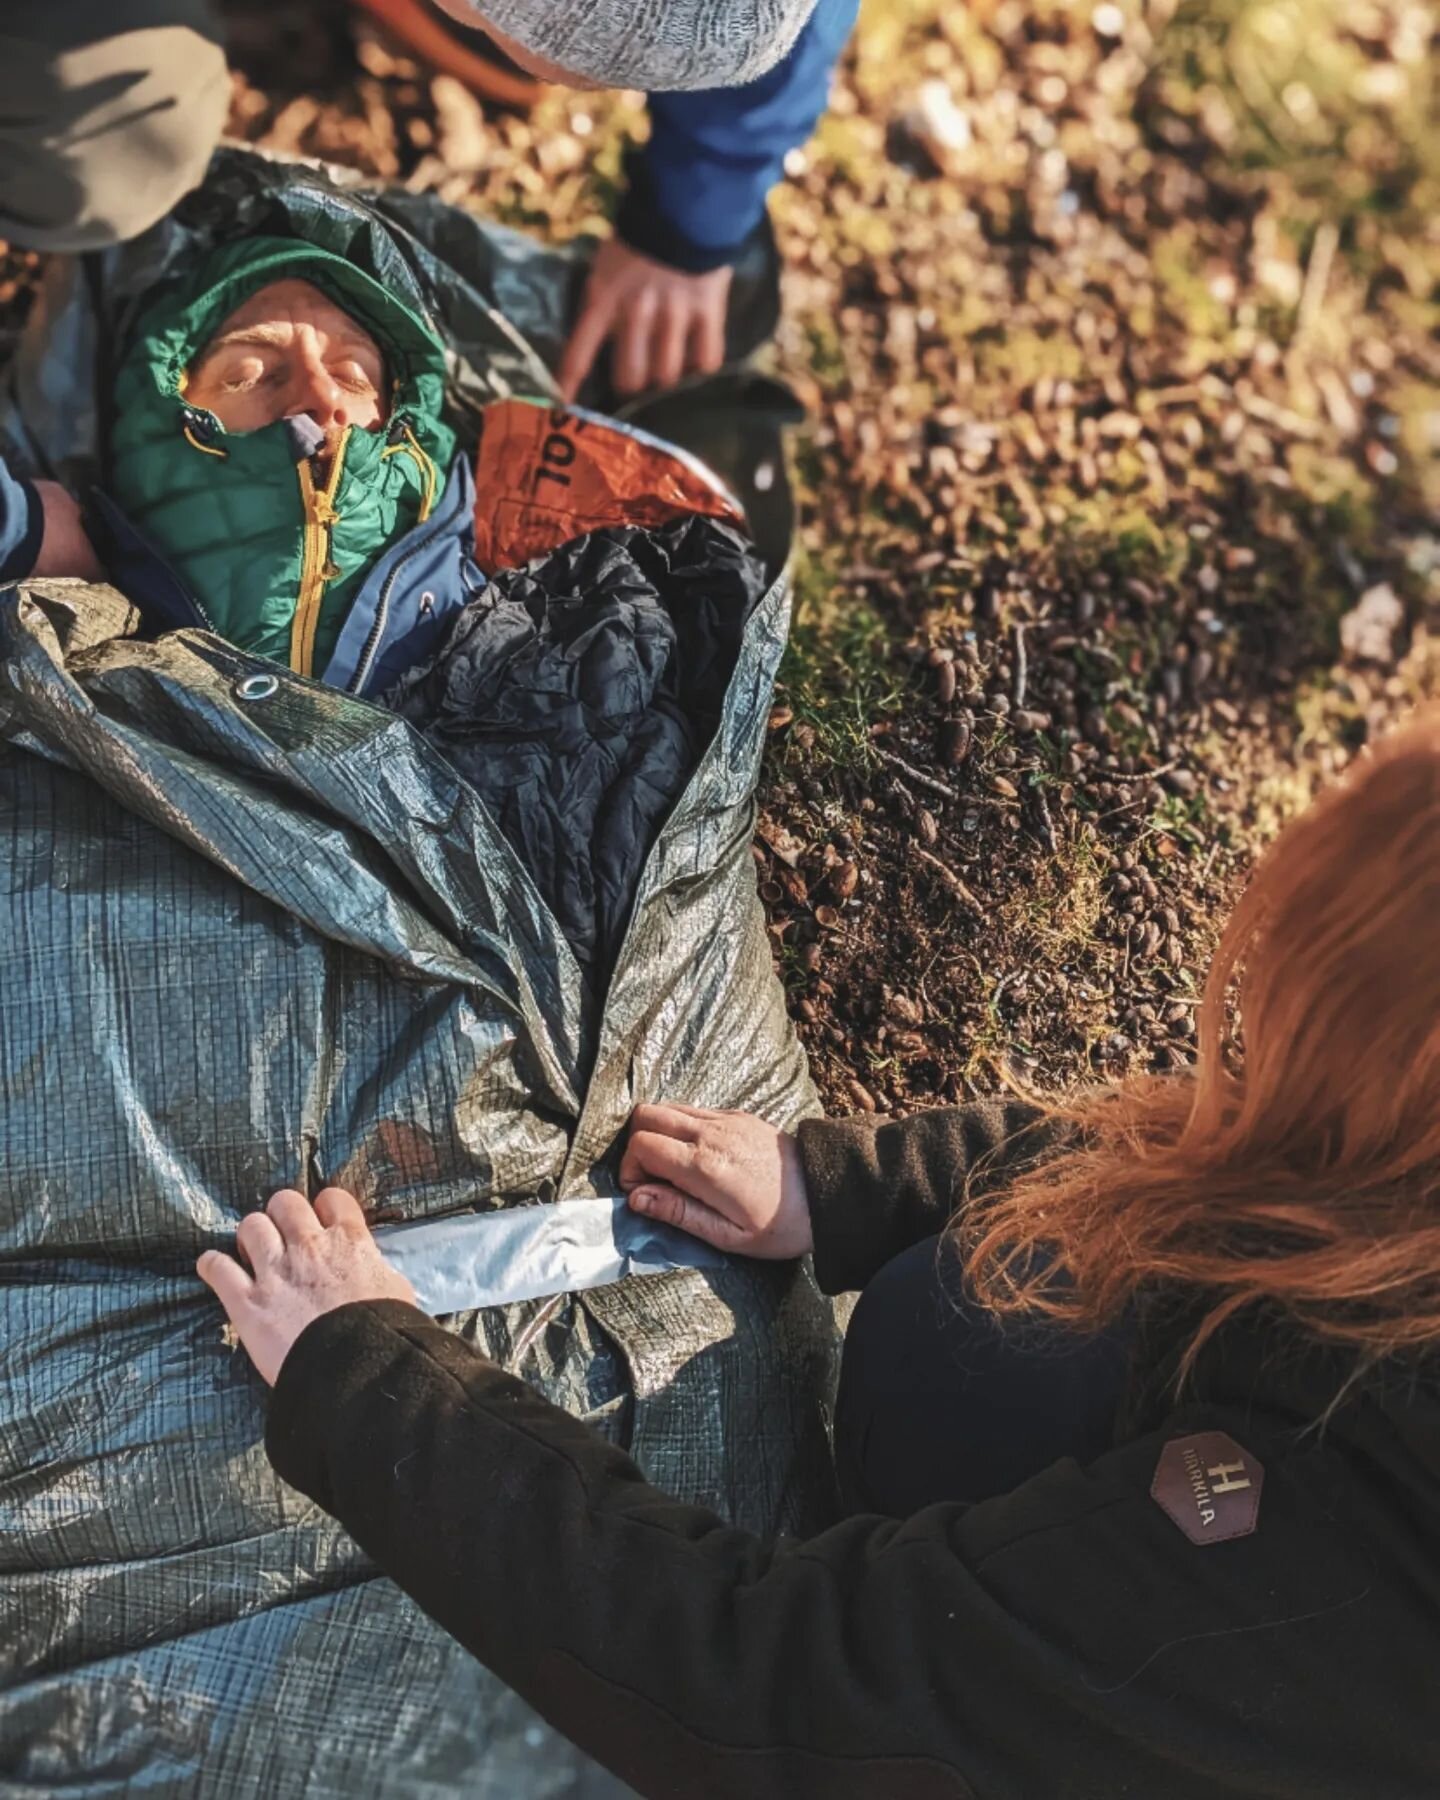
(249, 942)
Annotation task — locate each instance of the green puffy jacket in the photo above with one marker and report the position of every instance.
(273, 553)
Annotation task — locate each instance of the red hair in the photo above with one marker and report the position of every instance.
(1298, 1169)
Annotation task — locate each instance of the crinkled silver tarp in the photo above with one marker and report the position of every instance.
(249, 943)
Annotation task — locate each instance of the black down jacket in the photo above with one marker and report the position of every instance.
(577, 694)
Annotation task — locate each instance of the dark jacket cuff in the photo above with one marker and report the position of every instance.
(838, 1158)
(640, 223)
(333, 1358)
(877, 1186)
(22, 526)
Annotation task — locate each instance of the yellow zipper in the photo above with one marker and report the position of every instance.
(429, 474)
(316, 563)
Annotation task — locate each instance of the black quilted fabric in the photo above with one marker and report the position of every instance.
(577, 695)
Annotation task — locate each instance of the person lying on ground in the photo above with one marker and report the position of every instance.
(281, 475)
(1140, 1408)
(108, 116)
(280, 471)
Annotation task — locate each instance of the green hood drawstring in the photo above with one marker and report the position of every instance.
(273, 553)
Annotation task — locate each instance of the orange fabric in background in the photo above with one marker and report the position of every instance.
(546, 474)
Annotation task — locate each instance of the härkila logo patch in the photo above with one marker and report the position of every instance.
(1209, 1486)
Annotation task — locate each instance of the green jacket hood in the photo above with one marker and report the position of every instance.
(274, 548)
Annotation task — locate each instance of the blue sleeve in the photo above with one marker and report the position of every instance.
(22, 526)
(698, 188)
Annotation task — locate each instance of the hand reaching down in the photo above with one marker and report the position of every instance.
(660, 322)
(65, 548)
(725, 1177)
(304, 1261)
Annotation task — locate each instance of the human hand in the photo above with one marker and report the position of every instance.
(65, 549)
(725, 1177)
(662, 322)
(304, 1261)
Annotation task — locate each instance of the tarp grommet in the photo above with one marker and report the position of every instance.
(256, 687)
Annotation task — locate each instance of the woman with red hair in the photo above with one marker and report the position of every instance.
(1147, 1438)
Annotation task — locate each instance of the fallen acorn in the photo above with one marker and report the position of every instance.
(1027, 721)
(946, 682)
(844, 880)
(925, 824)
(860, 1094)
(905, 1011)
(955, 737)
(780, 717)
(827, 917)
(1006, 788)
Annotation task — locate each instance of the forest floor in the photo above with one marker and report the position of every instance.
(1120, 496)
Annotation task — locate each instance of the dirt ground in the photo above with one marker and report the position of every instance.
(1117, 329)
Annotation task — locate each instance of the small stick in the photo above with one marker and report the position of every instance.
(939, 787)
(916, 775)
(1022, 666)
(956, 886)
(1142, 774)
(1124, 806)
(1047, 824)
(1317, 277)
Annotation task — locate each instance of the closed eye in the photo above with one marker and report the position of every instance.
(353, 375)
(249, 373)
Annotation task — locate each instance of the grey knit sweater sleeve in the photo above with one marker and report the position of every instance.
(876, 1186)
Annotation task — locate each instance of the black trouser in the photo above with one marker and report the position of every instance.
(940, 1400)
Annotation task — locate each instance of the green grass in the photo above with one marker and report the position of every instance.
(839, 675)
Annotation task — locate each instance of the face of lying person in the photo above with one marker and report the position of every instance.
(290, 350)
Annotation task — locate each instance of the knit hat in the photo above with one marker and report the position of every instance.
(654, 45)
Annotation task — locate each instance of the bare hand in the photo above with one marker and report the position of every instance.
(65, 548)
(662, 322)
(304, 1261)
(725, 1177)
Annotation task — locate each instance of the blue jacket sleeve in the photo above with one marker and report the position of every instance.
(22, 526)
(698, 188)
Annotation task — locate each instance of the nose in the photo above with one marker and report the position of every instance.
(314, 390)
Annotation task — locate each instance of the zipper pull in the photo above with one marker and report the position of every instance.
(304, 437)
